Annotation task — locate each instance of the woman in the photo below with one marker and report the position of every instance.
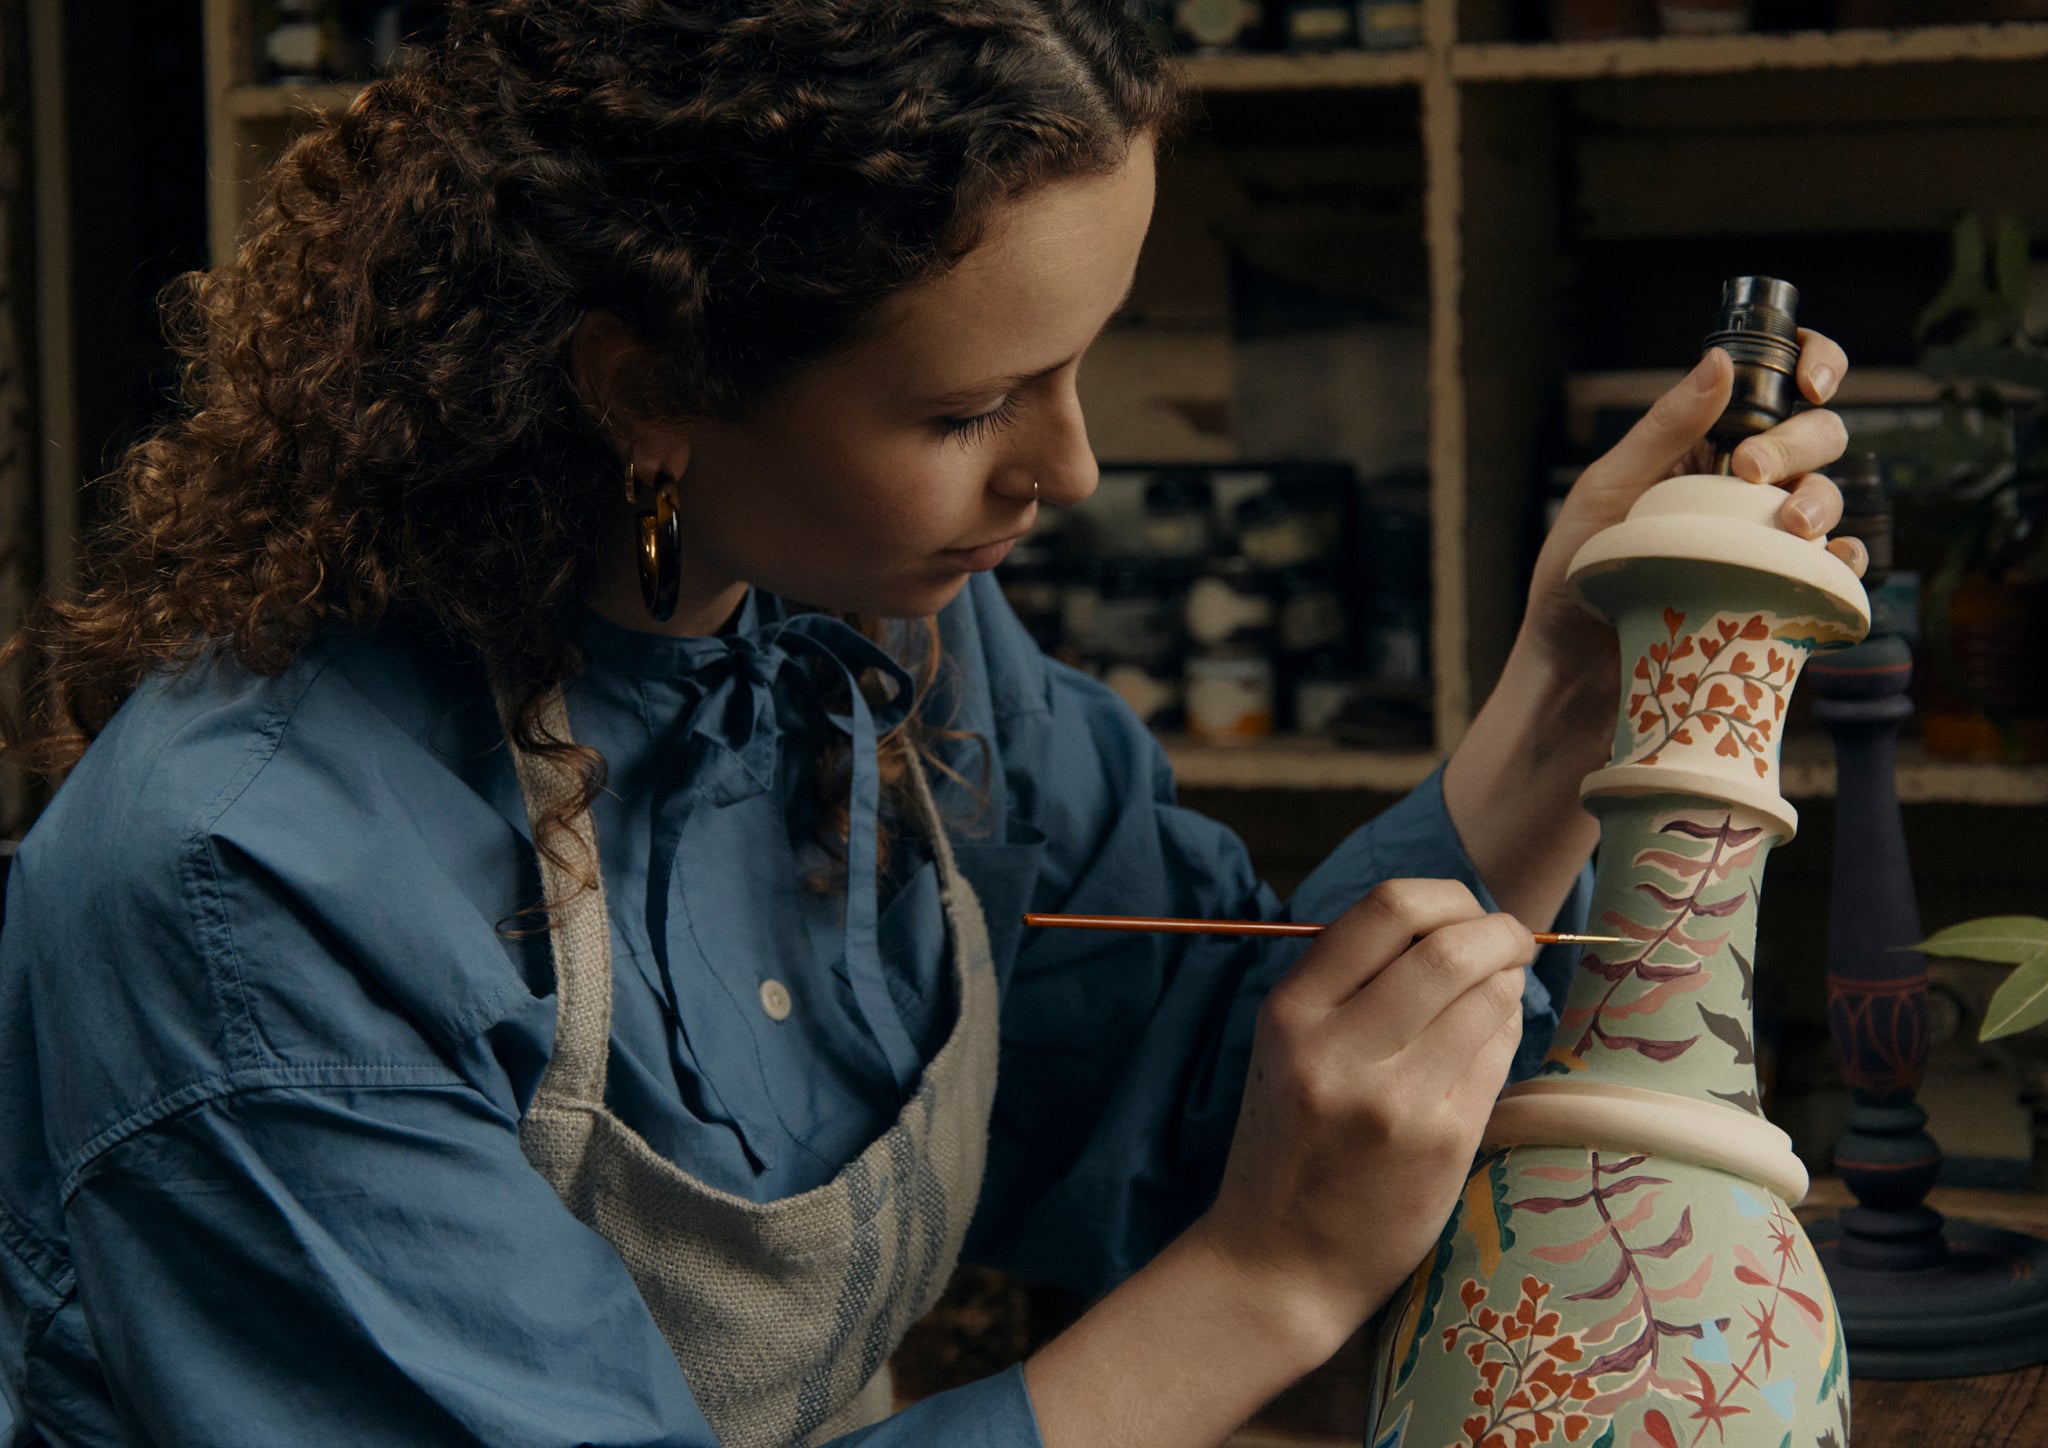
(551, 375)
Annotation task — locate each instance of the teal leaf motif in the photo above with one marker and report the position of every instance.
(1393, 1436)
(1503, 1209)
(1432, 1295)
(1833, 1375)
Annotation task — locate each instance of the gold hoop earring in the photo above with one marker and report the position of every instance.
(660, 537)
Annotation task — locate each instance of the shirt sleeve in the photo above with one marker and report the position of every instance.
(1124, 1055)
(362, 1266)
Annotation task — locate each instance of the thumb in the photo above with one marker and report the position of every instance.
(1664, 434)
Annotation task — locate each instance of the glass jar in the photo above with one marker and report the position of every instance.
(1312, 614)
(1231, 603)
(1130, 614)
(1285, 530)
(1230, 695)
(1177, 524)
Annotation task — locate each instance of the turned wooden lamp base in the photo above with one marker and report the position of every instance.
(1919, 1297)
(1982, 1310)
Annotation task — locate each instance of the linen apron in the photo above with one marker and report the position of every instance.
(782, 1314)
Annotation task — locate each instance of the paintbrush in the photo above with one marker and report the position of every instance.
(1256, 927)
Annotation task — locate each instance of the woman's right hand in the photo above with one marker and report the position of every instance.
(1375, 1064)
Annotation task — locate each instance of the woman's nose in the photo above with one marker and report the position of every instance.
(1059, 461)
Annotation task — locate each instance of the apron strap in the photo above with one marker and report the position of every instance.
(580, 930)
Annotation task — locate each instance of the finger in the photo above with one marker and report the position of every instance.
(1477, 1086)
(1448, 1058)
(1400, 1005)
(1852, 552)
(1813, 504)
(1801, 443)
(1664, 434)
(1822, 365)
(1365, 939)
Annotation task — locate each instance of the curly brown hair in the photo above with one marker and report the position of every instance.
(379, 417)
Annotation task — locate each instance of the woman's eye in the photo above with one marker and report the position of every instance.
(970, 430)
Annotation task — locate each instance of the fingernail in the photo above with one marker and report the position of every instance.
(1824, 381)
(1759, 462)
(1703, 374)
(1807, 513)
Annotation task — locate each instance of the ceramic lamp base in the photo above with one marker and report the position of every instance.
(1985, 1310)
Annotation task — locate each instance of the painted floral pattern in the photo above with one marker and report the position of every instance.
(1726, 683)
(1616, 1339)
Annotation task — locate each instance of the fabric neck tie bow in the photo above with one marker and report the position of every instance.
(737, 715)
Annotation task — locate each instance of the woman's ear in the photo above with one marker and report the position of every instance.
(600, 351)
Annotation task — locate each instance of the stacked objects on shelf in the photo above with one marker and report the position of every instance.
(1221, 26)
(1235, 601)
(304, 41)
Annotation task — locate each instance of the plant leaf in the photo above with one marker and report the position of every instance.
(2019, 1003)
(2014, 939)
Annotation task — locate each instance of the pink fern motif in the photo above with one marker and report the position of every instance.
(1640, 1306)
(1727, 849)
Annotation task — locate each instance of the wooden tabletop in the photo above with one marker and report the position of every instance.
(2001, 1410)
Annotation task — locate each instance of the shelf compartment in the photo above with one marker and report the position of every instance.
(1807, 771)
(1331, 70)
(1282, 762)
(1725, 54)
(282, 102)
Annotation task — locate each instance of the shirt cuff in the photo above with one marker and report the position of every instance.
(994, 1412)
(1415, 839)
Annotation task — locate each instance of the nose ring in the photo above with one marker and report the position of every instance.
(1034, 490)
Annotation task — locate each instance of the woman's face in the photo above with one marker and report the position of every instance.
(878, 478)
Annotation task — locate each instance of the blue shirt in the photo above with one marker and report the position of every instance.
(264, 1045)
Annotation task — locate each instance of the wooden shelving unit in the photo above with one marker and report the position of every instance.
(1736, 54)
(1807, 771)
(1490, 120)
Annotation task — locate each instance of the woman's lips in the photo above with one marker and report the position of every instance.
(979, 560)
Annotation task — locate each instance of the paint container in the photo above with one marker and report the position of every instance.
(1230, 696)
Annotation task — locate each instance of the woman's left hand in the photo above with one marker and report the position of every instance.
(1512, 783)
(1669, 441)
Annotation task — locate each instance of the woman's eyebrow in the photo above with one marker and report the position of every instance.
(960, 397)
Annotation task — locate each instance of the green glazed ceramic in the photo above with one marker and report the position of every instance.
(1623, 1269)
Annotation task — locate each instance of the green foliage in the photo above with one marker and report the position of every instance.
(2020, 941)
(1984, 301)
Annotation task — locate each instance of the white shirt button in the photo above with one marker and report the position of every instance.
(775, 1000)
